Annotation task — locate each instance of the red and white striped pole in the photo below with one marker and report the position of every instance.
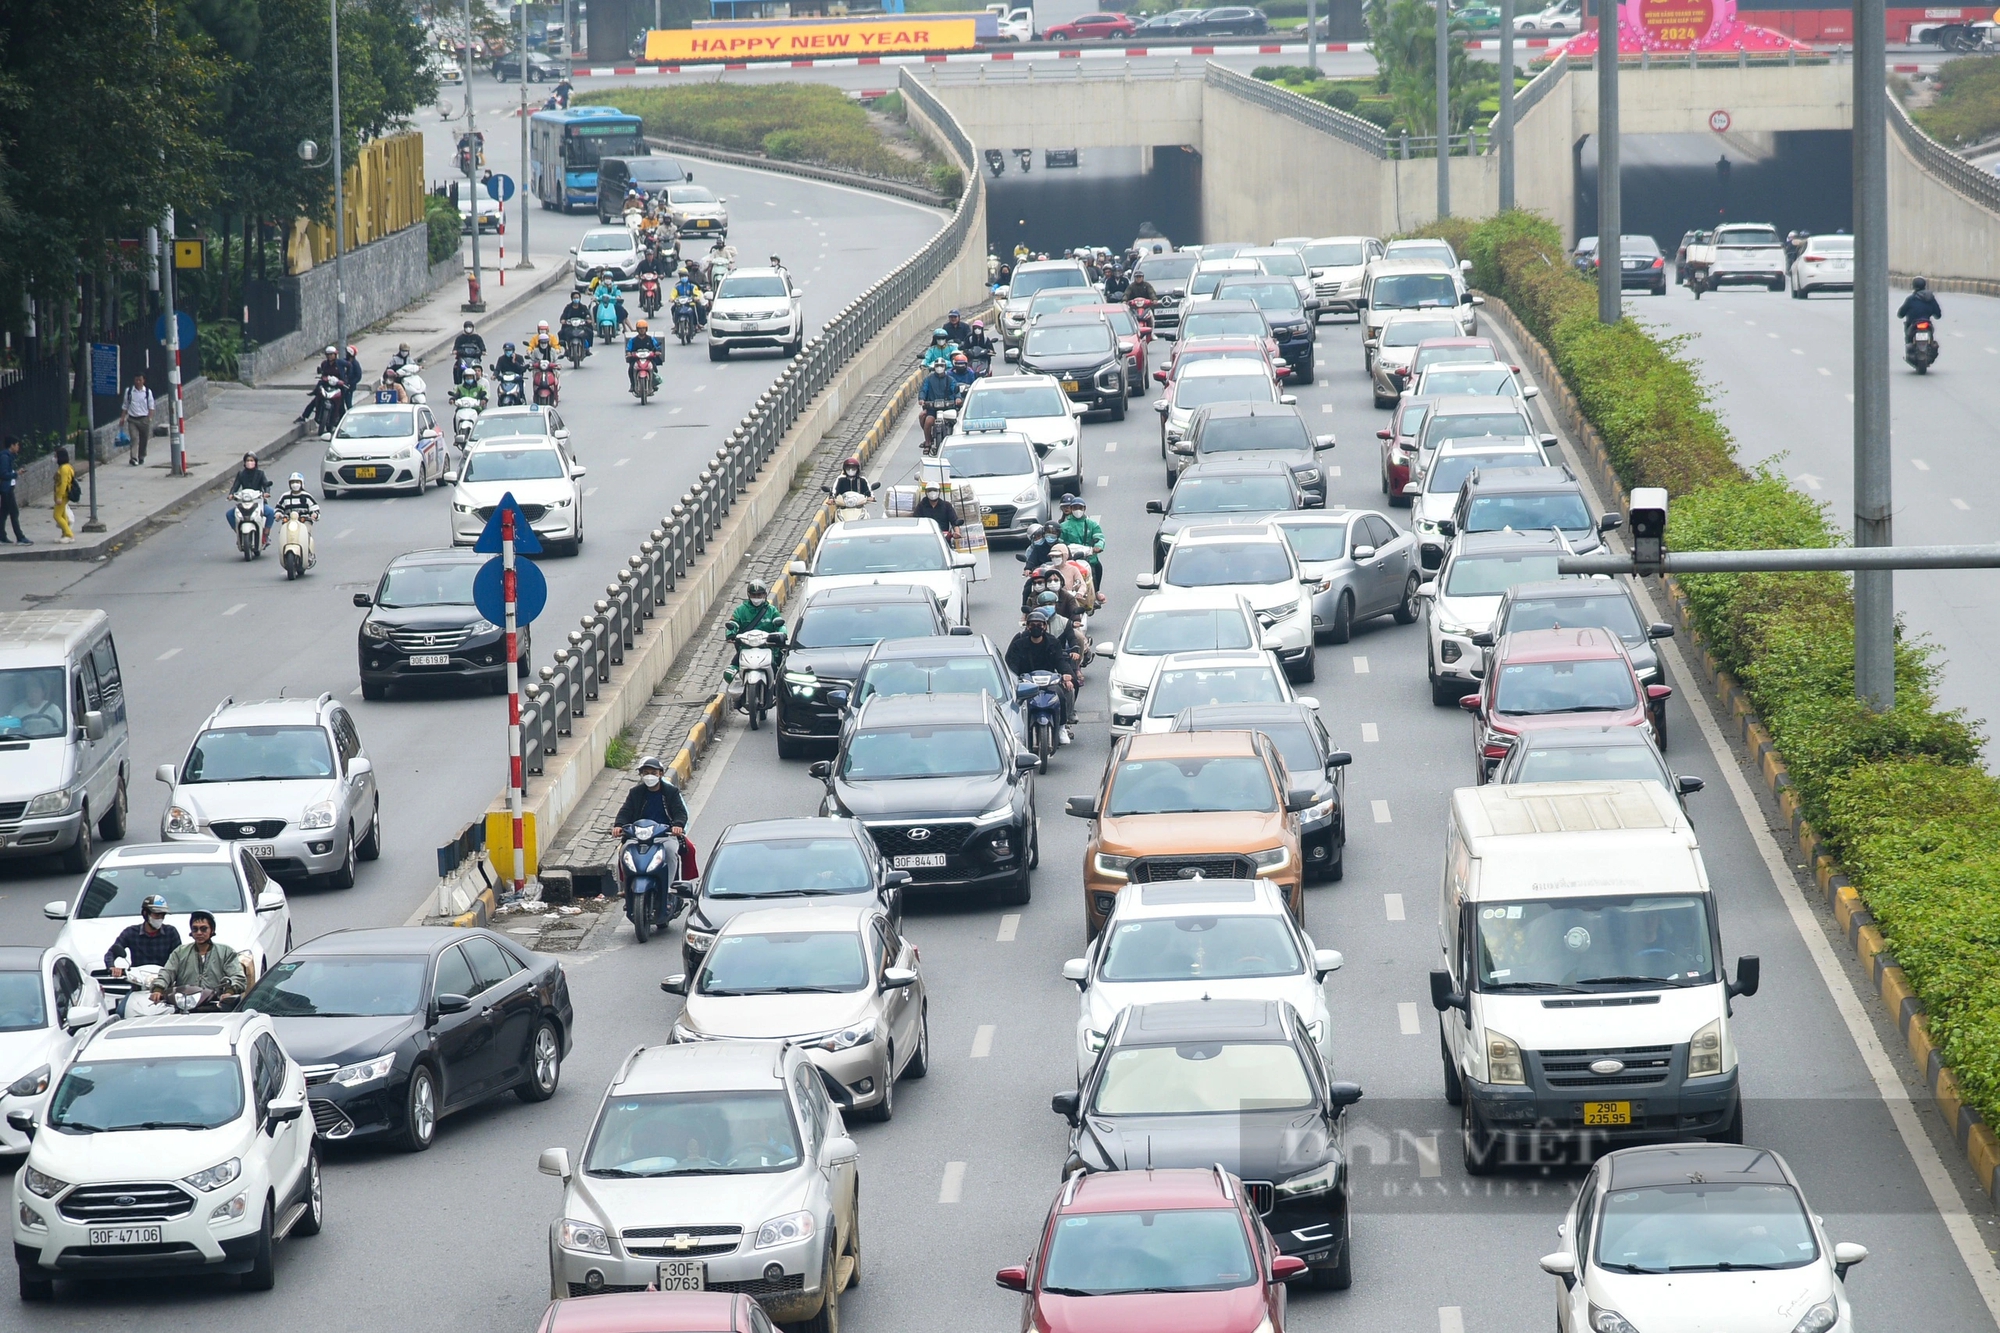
(507, 595)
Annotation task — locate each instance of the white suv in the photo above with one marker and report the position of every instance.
(756, 307)
(171, 1146)
(1253, 559)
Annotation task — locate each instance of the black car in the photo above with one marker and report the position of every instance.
(1640, 265)
(1272, 431)
(1228, 490)
(400, 1027)
(1292, 321)
(422, 627)
(541, 68)
(1593, 754)
(1082, 352)
(787, 863)
(961, 663)
(1228, 21)
(943, 788)
(826, 647)
(1235, 1083)
(1312, 764)
(1168, 275)
(617, 175)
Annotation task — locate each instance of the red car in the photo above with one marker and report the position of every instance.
(1089, 26)
(1134, 341)
(1538, 680)
(1189, 351)
(1399, 447)
(1171, 1251)
(656, 1312)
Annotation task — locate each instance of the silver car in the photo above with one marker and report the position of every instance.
(1358, 565)
(715, 1167)
(614, 248)
(286, 778)
(840, 982)
(697, 210)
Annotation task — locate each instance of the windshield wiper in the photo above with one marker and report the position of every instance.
(165, 1124)
(1563, 987)
(1069, 1291)
(1632, 1268)
(1722, 1266)
(615, 1173)
(1640, 981)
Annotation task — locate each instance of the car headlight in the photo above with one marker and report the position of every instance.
(698, 940)
(1113, 867)
(317, 815)
(1133, 692)
(1273, 859)
(479, 627)
(182, 821)
(585, 1236)
(216, 1176)
(332, 453)
(1308, 474)
(1445, 627)
(365, 1071)
(786, 1230)
(1317, 1181)
(31, 1084)
(860, 1034)
(563, 503)
(1426, 525)
(1503, 1063)
(1609, 1321)
(1322, 810)
(999, 814)
(1029, 496)
(1705, 1050)
(1818, 1319)
(1272, 615)
(684, 1033)
(456, 509)
(42, 1185)
(375, 629)
(49, 803)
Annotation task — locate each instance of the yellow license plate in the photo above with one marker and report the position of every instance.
(364, 474)
(1607, 1113)
(1069, 386)
(992, 520)
(703, 222)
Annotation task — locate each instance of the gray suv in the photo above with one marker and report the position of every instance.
(1259, 430)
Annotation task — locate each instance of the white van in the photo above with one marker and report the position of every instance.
(63, 742)
(1582, 1002)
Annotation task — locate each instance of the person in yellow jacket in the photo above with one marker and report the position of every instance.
(65, 478)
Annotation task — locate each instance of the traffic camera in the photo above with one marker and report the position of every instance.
(1649, 525)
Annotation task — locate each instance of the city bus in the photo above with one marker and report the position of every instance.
(564, 146)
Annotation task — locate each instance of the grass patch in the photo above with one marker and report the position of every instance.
(1967, 109)
(619, 753)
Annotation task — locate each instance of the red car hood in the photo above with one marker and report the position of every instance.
(1238, 1310)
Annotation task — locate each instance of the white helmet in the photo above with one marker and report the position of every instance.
(297, 482)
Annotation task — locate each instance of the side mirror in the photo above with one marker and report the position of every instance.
(1444, 996)
(1660, 630)
(1610, 522)
(56, 911)
(1288, 1268)
(284, 1110)
(81, 1016)
(1483, 639)
(796, 567)
(1547, 441)
(1562, 1266)
(1340, 1094)
(899, 878)
(820, 768)
(271, 899)
(554, 1162)
(1077, 970)
(1081, 807)
(1064, 1104)
(361, 766)
(960, 632)
(1288, 399)
(1845, 1255)
(1147, 580)
(1427, 590)
(1000, 291)
(838, 697)
(964, 561)
(1469, 702)
(1295, 801)
(452, 1003)
(1308, 701)
(1269, 643)
(1385, 434)
(1160, 405)
(677, 984)
(1160, 376)
(166, 772)
(1325, 961)
(1447, 528)
(1465, 266)
(1749, 974)
(1659, 693)
(1109, 648)
(1013, 1279)
(1479, 300)
(1412, 488)
(1323, 442)
(838, 1151)
(1364, 553)
(1687, 784)
(1026, 760)
(1530, 391)
(362, 598)
(579, 470)
(22, 1122)
(93, 725)
(898, 978)
(1156, 506)
(1336, 760)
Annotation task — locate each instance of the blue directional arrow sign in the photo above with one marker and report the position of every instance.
(525, 540)
(531, 592)
(503, 187)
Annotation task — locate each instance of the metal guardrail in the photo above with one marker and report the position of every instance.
(1540, 86)
(1980, 187)
(1365, 135)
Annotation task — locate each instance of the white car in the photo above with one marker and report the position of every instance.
(1500, 438)
(1393, 346)
(1747, 252)
(1208, 275)
(1220, 939)
(172, 1146)
(219, 877)
(1563, 16)
(1001, 468)
(1825, 265)
(543, 478)
(1036, 406)
(1229, 380)
(1188, 680)
(1335, 263)
(1465, 596)
(696, 210)
(489, 210)
(756, 307)
(1282, 261)
(1255, 560)
(1447, 379)
(385, 447)
(860, 552)
(1175, 620)
(47, 998)
(614, 248)
(1390, 285)
(1697, 1235)
(530, 419)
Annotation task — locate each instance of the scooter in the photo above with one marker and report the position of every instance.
(849, 507)
(649, 294)
(575, 340)
(645, 377)
(464, 418)
(413, 383)
(249, 522)
(295, 545)
(1697, 280)
(508, 390)
(548, 389)
(1920, 349)
(329, 404)
(653, 897)
(607, 327)
(686, 319)
(1041, 697)
(756, 651)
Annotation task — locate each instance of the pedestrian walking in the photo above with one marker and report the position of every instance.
(65, 482)
(137, 419)
(10, 508)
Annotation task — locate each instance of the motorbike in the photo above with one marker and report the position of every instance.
(756, 651)
(649, 294)
(607, 325)
(848, 506)
(1920, 348)
(575, 340)
(1961, 38)
(653, 896)
(465, 364)
(547, 388)
(508, 389)
(686, 319)
(249, 518)
(464, 418)
(1041, 698)
(329, 404)
(295, 545)
(645, 376)
(413, 383)
(1697, 280)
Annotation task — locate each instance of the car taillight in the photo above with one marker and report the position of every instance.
(1815, 259)
(1660, 261)
(1495, 749)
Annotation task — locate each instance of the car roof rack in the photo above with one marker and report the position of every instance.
(1222, 1179)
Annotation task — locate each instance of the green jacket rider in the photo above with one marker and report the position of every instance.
(756, 611)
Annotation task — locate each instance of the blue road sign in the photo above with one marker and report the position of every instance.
(531, 591)
(502, 187)
(186, 326)
(104, 369)
(525, 540)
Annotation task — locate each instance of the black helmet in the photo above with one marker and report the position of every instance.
(652, 761)
(755, 589)
(1919, 284)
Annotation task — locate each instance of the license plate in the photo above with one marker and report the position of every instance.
(430, 659)
(683, 1275)
(1607, 1113)
(364, 474)
(701, 224)
(263, 850)
(124, 1235)
(928, 861)
(1069, 386)
(991, 520)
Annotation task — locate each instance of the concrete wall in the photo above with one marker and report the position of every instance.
(1545, 158)
(1266, 175)
(1673, 99)
(381, 278)
(1934, 229)
(1054, 111)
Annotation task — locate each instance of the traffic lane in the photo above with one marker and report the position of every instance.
(195, 623)
(1783, 377)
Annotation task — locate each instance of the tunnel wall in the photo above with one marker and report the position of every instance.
(1935, 228)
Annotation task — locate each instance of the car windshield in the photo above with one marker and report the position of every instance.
(1045, 280)
(784, 963)
(1560, 509)
(852, 625)
(880, 553)
(1231, 435)
(188, 1092)
(1410, 291)
(1610, 941)
(1229, 495)
(1491, 575)
(693, 1134)
(1593, 685)
(1336, 254)
(1448, 471)
(1167, 268)
(428, 585)
(1296, 746)
(1316, 541)
(1704, 1226)
(608, 240)
(501, 463)
(1190, 630)
(1833, 245)
(1437, 250)
(1224, 323)
(1410, 332)
(1203, 1078)
(1058, 299)
(1605, 611)
(340, 987)
(1192, 391)
(1069, 340)
(1194, 356)
(1206, 280)
(657, 170)
(1123, 323)
(757, 284)
(1287, 265)
(376, 425)
(786, 868)
(1191, 687)
(32, 704)
(1199, 948)
(690, 194)
(1747, 236)
(1013, 400)
(933, 675)
(1442, 380)
(1411, 419)
(500, 425)
(1638, 247)
(1185, 1249)
(258, 754)
(1191, 786)
(1427, 357)
(23, 1007)
(1277, 297)
(885, 754)
(191, 886)
(1221, 564)
(1589, 763)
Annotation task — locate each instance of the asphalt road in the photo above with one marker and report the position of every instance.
(1783, 373)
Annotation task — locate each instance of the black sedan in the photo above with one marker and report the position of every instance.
(826, 647)
(541, 68)
(1312, 765)
(422, 627)
(1239, 1083)
(1227, 21)
(398, 1028)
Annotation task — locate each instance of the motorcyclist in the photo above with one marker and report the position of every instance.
(350, 375)
(939, 391)
(1052, 592)
(641, 341)
(204, 961)
(939, 351)
(1035, 649)
(149, 943)
(470, 385)
(1139, 289)
(1076, 574)
(1921, 303)
(976, 341)
(576, 309)
(251, 478)
(756, 611)
(635, 208)
(723, 253)
(687, 289)
(391, 389)
(403, 357)
(956, 329)
(541, 345)
(1083, 535)
(610, 307)
(653, 797)
(298, 500)
(510, 362)
(329, 364)
(1116, 283)
(655, 263)
(936, 508)
(468, 345)
(851, 481)
(962, 373)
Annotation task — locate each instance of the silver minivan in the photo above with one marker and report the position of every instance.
(63, 777)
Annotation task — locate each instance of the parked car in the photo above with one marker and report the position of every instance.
(1549, 678)
(835, 631)
(1357, 565)
(1563, 16)
(49, 1003)
(1228, 21)
(1091, 27)
(1312, 764)
(423, 627)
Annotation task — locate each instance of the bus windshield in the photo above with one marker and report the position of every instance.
(583, 145)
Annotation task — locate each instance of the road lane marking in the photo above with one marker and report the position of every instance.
(1111, 446)
(354, 693)
(1360, 665)
(1824, 371)
(1770, 335)
(1807, 479)
(342, 533)
(649, 434)
(1104, 481)
(592, 491)
(1957, 503)
(1010, 926)
(1751, 322)
(1427, 1168)
(953, 1187)
(234, 609)
(700, 388)
(1392, 906)
(1369, 735)
(621, 462)
(1326, 408)
(1451, 1318)
(1406, 1018)
(672, 412)
(1381, 809)
(1920, 465)
(1333, 472)
(1796, 351)
(982, 1042)
(171, 652)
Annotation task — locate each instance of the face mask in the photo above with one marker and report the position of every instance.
(650, 779)
(155, 921)
(756, 601)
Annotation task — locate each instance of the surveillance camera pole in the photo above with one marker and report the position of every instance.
(1506, 117)
(1443, 107)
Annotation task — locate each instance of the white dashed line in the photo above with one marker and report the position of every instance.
(1920, 465)
(1104, 481)
(592, 491)
(982, 1042)
(1426, 1146)
(673, 411)
(1824, 371)
(1451, 1318)
(234, 609)
(1798, 351)
(171, 652)
(1360, 665)
(1770, 335)
(649, 434)
(1111, 446)
(342, 533)
(700, 388)
(1957, 503)
(1381, 809)
(1010, 926)
(1392, 906)
(354, 693)
(1369, 735)
(1751, 322)
(1326, 408)
(1406, 1018)
(954, 1183)
(1333, 472)
(621, 462)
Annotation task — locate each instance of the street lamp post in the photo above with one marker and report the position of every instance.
(1506, 117)
(1610, 255)
(477, 302)
(1444, 107)
(1874, 589)
(339, 190)
(521, 189)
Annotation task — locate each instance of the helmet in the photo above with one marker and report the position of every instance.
(154, 902)
(978, 323)
(404, 348)
(640, 326)
(1046, 597)
(542, 327)
(468, 329)
(1918, 284)
(959, 359)
(331, 350)
(1059, 553)
(352, 350)
(952, 315)
(938, 335)
(576, 293)
(1039, 616)
(297, 481)
(391, 375)
(1070, 501)
(507, 347)
(851, 461)
(651, 761)
(1037, 530)
(756, 589)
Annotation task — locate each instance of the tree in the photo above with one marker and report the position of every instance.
(1404, 34)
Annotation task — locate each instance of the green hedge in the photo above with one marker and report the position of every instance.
(1967, 109)
(797, 122)
(1899, 797)
(441, 216)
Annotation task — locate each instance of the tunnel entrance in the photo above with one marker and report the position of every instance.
(1104, 200)
(1795, 179)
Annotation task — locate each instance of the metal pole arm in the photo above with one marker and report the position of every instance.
(1777, 562)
